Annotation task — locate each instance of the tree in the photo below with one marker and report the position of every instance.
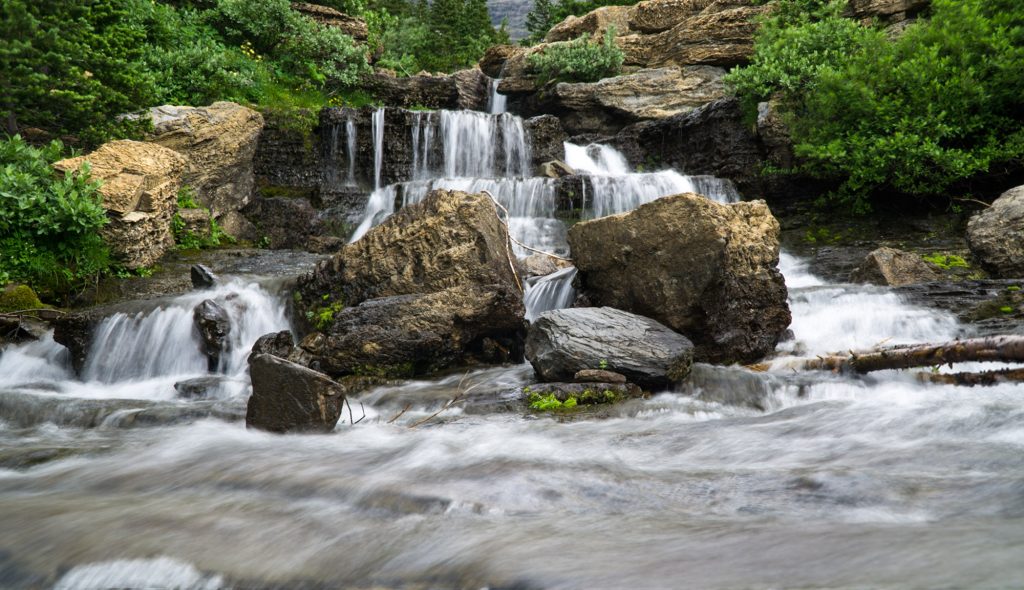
(538, 21)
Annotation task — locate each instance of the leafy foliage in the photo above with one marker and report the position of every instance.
(580, 60)
(49, 225)
(916, 114)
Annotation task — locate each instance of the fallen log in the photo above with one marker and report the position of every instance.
(972, 379)
(1007, 349)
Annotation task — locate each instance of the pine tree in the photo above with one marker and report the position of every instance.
(538, 20)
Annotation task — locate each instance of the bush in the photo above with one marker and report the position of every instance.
(914, 115)
(580, 60)
(49, 225)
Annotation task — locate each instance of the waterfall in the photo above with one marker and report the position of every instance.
(553, 291)
(164, 342)
(350, 144)
(471, 142)
(496, 104)
(378, 146)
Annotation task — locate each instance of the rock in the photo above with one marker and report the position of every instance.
(350, 25)
(195, 222)
(75, 332)
(655, 16)
(284, 222)
(139, 190)
(540, 265)
(608, 105)
(562, 342)
(732, 386)
(774, 135)
(219, 142)
(593, 25)
(434, 279)
(598, 376)
(493, 62)
(704, 269)
(996, 235)
(467, 89)
(889, 266)
(287, 397)
(887, 11)
(590, 393)
(15, 297)
(214, 326)
(199, 387)
(547, 138)
(555, 169)
(712, 139)
(202, 277)
(722, 34)
(279, 344)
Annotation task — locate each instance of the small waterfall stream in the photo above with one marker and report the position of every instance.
(112, 480)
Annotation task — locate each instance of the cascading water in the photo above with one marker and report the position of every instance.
(377, 123)
(840, 482)
(497, 102)
(350, 144)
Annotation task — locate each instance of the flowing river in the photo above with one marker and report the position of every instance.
(744, 480)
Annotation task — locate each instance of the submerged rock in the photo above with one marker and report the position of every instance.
(140, 192)
(202, 277)
(429, 288)
(214, 326)
(199, 387)
(704, 269)
(996, 235)
(287, 397)
(889, 266)
(563, 342)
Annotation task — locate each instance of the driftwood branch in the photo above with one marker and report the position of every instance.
(972, 379)
(515, 241)
(1007, 349)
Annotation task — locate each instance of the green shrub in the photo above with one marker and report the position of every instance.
(49, 225)
(910, 116)
(580, 60)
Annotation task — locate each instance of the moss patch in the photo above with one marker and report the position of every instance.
(18, 298)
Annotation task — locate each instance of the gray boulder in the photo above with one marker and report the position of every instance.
(996, 235)
(214, 325)
(563, 342)
(287, 397)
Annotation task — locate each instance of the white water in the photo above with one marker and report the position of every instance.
(377, 123)
(496, 104)
(553, 291)
(875, 482)
(350, 144)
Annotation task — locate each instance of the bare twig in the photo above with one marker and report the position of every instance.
(448, 405)
(363, 410)
(399, 415)
(508, 236)
(970, 200)
(350, 417)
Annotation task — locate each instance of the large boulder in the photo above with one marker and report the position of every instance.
(450, 254)
(214, 326)
(889, 266)
(350, 25)
(704, 269)
(283, 222)
(493, 62)
(608, 105)
(593, 25)
(996, 235)
(722, 34)
(287, 397)
(140, 183)
(563, 342)
(219, 142)
(547, 138)
(466, 89)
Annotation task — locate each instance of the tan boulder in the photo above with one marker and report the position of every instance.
(493, 62)
(140, 183)
(220, 142)
(996, 235)
(704, 269)
(889, 266)
(555, 169)
(594, 24)
(655, 16)
(888, 11)
(720, 35)
(350, 25)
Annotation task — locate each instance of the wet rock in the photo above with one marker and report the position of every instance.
(598, 376)
(195, 222)
(712, 139)
(219, 141)
(589, 393)
(467, 89)
(287, 397)
(279, 344)
(18, 328)
(350, 25)
(198, 388)
(140, 183)
(547, 137)
(704, 269)
(214, 326)
(493, 61)
(540, 265)
(989, 307)
(774, 134)
(889, 266)
(555, 169)
(75, 331)
(283, 222)
(732, 386)
(996, 235)
(594, 24)
(435, 275)
(202, 277)
(562, 342)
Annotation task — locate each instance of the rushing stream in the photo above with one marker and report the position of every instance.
(113, 480)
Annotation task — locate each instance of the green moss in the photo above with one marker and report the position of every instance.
(1006, 309)
(946, 261)
(288, 192)
(395, 371)
(322, 316)
(17, 298)
(548, 401)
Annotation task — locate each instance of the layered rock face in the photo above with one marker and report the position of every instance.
(706, 270)
(219, 142)
(996, 235)
(594, 24)
(565, 342)
(465, 89)
(350, 25)
(431, 287)
(140, 183)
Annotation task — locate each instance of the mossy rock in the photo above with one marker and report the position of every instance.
(18, 298)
